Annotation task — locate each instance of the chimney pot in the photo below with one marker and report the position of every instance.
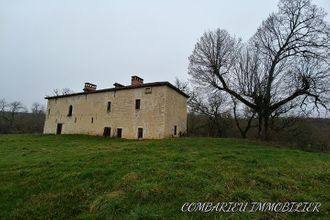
(89, 87)
(135, 81)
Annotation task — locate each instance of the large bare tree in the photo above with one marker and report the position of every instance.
(286, 62)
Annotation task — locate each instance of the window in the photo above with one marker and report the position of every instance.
(119, 132)
(92, 120)
(48, 112)
(140, 132)
(109, 107)
(148, 90)
(137, 104)
(70, 111)
(175, 130)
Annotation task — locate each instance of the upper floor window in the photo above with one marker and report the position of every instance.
(137, 103)
(109, 107)
(70, 110)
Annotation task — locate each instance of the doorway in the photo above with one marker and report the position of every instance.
(106, 132)
(140, 133)
(59, 128)
(119, 132)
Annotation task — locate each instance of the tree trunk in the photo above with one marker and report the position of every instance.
(259, 125)
(265, 127)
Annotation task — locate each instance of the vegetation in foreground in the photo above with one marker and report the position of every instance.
(76, 176)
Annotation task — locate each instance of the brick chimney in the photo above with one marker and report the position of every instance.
(89, 87)
(136, 81)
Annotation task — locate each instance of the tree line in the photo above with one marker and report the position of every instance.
(17, 118)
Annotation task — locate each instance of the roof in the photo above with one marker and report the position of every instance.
(123, 88)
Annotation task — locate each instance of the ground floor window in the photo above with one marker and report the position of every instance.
(175, 130)
(119, 132)
(140, 132)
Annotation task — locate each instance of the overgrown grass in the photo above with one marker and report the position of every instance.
(76, 176)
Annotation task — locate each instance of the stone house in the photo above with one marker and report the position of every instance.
(140, 110)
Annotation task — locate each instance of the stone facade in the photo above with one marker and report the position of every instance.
(162, 112)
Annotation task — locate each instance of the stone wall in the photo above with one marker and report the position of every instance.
(175, 113)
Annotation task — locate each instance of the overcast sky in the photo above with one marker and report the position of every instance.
(63, 43)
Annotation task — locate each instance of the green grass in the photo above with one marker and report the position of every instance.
(76, 176)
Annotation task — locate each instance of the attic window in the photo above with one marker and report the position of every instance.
(148, 90)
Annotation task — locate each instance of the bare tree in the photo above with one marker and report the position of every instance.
(9, 111)
(37, 108)
(56, 92)
(213, 105)
(3, 109)
(4, 119)
(3, 105)
(285, 62)
(248, 116)
(64, 91)
(14, 108)
(182, 85)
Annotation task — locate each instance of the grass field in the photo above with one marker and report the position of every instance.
(76, 176)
